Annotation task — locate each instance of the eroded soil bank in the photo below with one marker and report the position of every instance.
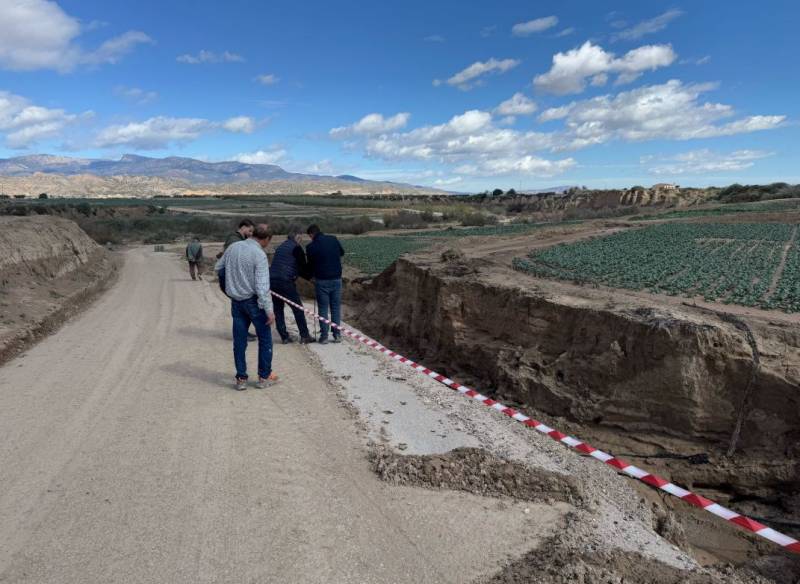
(655, 382)
(49, 269)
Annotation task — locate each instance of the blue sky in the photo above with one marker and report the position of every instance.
(465, 96)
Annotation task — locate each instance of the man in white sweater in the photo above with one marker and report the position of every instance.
(247, 284)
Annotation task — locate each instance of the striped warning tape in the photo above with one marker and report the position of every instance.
(635, 472)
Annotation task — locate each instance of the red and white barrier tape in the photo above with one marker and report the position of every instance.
(742, 521)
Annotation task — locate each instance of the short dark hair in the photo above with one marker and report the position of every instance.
(246, 223)
(262, 232)
(292, 232)
(313, 229)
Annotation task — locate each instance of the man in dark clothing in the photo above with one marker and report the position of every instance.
(288, 263)
(245, 231)
(325, 258)
(194, 255)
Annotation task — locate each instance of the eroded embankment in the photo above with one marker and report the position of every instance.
(672, 379)
(49, 269)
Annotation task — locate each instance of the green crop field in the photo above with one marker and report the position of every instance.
(731, 263)
(372, 255)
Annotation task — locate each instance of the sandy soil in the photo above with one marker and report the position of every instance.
(127, 457)
(424, 433)
(49, 271)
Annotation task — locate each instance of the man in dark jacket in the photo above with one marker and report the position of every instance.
(245, 231)
(325, 258)
(289, 263)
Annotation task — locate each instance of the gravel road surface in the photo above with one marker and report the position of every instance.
(125, 456)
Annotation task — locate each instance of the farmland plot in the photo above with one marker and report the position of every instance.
(731, 263)
(372, 255)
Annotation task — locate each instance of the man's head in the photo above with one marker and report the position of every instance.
(313, 231)
(246, 228)
(262, 234)
(294, 233)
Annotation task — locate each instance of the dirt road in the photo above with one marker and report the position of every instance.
(125, 456)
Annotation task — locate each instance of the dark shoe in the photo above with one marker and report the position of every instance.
(323, 340)
(307, 340)
(287, 341)
(337, 339)
(241, 384)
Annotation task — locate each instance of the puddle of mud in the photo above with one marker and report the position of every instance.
(476, 471)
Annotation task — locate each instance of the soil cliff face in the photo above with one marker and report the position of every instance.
(49, 269)
(46, 247)
(672, 373)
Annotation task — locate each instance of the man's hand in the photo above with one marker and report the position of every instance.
(270, 318)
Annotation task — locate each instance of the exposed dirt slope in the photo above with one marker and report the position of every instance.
(672, 378)
(49, 268)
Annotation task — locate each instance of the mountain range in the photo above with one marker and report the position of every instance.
(174, 173)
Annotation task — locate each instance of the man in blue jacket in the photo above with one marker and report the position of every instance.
(325, 258)
(289, 263)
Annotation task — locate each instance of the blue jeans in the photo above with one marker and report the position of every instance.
(288, 290)
(245, 312)
(329, 296)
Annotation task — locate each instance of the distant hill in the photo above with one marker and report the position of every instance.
(175, 175)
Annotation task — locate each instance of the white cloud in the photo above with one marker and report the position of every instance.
(112, 50)
(555, 113)
(704, 161)
(262, 157)
(435, 38)
(24, 124)
(570, 70)
(161, 132)
(646, 27)
(488, 31)
(324, 166)
(526, 164)
(534, 26)
(135, 94)
(267, 79)
(240, 125)
(704, 60)
(517, 105)
(153, 134)
(469, 77)
(205, 56)
(668, 111)
(473, 141)
(372, 124)
(566, 32)
(38, 34)
(477, 143)
(446, 182)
